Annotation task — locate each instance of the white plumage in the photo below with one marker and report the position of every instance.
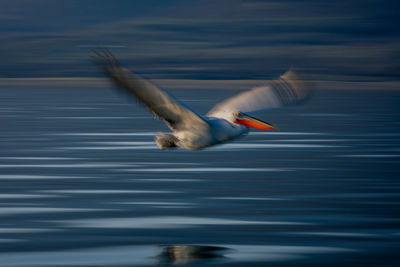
(226, 121)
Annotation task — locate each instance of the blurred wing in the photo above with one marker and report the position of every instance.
(176, 115)
(288, 89)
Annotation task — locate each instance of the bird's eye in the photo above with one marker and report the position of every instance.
(238, 115)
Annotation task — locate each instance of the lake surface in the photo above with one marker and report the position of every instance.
(82, 183)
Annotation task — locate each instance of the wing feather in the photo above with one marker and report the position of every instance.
(288, 89)
(175, 114)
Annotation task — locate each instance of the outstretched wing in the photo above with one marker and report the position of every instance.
(286, 90)
(175, 114)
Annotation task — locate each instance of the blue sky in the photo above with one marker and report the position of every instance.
(204, 39)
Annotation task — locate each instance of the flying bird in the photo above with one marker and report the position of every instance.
(228, 120)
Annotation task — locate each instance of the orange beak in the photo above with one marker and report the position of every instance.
(243, 119)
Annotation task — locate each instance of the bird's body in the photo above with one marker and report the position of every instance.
(226, 121)
(215, 132)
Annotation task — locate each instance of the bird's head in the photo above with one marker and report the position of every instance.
(244, 119)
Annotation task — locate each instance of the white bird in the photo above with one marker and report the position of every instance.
(226, 121)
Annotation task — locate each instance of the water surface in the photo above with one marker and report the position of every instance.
(82, 183)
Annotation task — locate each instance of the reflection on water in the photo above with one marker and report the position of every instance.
(83, 189)
(184, 254)
(161, 255)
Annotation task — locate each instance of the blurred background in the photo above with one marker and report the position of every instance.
(205, 39)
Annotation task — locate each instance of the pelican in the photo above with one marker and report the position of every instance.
(228, 120)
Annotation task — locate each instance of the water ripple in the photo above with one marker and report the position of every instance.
(109, 191)
(28, 210)
(166, 222)
(206, 169)
(262, 146)
(70, 165)
(37, 177)
(107, 134)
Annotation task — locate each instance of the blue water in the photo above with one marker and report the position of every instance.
(82, 183)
